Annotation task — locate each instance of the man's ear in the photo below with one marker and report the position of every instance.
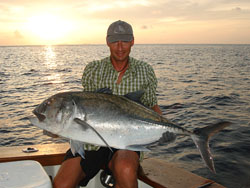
(132, 42)
(107, 41)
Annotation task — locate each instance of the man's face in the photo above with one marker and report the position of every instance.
(119, 51)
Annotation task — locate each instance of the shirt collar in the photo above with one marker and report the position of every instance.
(131, 67)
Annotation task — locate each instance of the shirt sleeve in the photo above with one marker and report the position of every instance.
(149, 98)
(88, 77)
(89, 84)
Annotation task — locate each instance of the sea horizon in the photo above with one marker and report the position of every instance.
(90, 44)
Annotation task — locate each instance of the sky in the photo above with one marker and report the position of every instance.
(48, 22)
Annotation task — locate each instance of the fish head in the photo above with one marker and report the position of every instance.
(55, 112)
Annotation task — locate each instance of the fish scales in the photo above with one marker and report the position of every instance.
(133, 109)
(125, 104)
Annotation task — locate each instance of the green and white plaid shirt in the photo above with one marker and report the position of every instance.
(139, 76)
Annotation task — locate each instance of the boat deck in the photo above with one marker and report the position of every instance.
(155, 170)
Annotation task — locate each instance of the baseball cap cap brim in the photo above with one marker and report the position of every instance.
(121, 37)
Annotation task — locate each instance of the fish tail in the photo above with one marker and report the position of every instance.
(201, 137)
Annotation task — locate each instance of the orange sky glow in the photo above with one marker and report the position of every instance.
(43, 22)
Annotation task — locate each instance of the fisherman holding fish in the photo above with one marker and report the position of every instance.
(107, 114)
(122, 74)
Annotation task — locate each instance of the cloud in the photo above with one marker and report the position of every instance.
(237, 9)
(155, 11)
(131, 9)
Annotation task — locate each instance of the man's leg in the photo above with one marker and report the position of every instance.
(70, 174)
(76, 170)
(124, 166)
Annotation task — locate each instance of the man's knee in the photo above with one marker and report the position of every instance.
(126, 167)
(69, 174)
(57, 183)
(125, 164)
(125, 171)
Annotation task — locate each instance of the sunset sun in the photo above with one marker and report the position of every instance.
(48, 27)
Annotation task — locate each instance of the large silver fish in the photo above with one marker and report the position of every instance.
(113, 121)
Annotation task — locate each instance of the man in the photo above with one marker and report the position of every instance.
(122, 74)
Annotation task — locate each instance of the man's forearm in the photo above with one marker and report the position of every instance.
(157, 109)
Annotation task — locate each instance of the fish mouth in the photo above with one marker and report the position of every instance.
(41, 117)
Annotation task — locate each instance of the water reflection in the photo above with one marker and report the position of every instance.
(50, 57)
(50, 60)
(54, 79)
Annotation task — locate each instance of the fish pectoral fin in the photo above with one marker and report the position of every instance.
(137, 148)
(86, 126)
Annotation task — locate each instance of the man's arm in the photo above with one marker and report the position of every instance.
(157, 109)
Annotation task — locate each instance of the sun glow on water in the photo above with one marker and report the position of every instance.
(50, 57)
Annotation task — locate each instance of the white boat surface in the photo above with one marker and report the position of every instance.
(156, 172)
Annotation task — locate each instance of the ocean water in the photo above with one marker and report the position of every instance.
(198, 85)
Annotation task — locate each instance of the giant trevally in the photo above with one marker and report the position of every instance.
(113, 121)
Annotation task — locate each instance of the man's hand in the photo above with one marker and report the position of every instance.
(167, 137)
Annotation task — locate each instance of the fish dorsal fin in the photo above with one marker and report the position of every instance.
(104, 90)
(135, 96)
(86, 126)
